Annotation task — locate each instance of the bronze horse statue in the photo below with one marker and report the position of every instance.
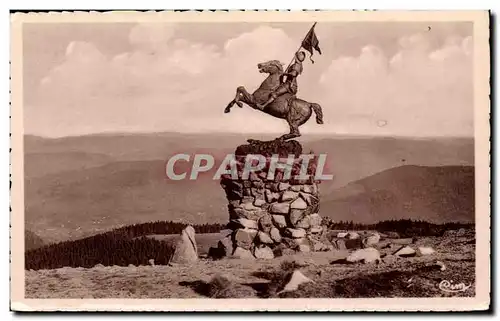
(294, 110)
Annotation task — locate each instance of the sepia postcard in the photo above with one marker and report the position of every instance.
(250, 161)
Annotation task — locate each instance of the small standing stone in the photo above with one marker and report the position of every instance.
(186, 250)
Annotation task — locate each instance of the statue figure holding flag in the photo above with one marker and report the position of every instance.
(290, 84)
(276, 95)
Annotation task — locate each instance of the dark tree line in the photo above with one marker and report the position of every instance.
(404, 227)
(122, 246)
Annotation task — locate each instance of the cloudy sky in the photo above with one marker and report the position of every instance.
(374, 78)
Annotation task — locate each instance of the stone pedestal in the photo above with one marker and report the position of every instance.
(274, 217)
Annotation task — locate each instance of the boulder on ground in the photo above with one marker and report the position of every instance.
(186, 250)
(352, 236)
(342, 234)
(367, 255)
(263, 252)
(371, 240)
(441, 265)
(424, 250)
(242, 253)
(389, 258)
(295, 279)
(405, 251)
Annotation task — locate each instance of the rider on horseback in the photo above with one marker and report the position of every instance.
(290, 85)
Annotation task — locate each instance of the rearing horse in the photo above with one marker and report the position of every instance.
(294, 110)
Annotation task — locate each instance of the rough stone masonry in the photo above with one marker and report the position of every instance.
(275, 217)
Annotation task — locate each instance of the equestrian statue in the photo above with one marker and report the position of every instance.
(276, 95)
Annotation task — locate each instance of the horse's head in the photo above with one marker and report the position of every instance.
(270, 67)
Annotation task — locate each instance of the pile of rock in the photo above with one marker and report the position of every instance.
(270, 217)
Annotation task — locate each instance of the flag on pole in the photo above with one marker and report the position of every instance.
(311, 42)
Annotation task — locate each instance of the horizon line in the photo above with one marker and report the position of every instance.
(332, 135)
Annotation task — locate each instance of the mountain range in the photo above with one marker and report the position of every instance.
(77, 186)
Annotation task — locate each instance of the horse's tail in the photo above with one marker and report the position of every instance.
(318, 111)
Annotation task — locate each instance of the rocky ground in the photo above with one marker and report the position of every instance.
(393, 276)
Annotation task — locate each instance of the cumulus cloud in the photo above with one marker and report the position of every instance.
(164, 83)
(418, 91)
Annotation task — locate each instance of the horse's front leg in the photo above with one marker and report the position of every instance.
(239, 92)
(228, 107)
